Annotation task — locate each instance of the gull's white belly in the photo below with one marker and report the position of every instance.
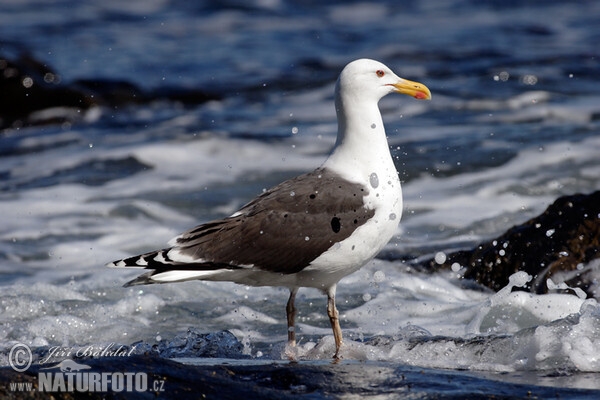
(364, 243)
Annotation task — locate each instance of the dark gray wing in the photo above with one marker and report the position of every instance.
(285, 228)
(282, 230)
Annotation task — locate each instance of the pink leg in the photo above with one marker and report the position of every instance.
(333, 314)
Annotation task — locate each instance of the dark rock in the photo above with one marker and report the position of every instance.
(293, 380)
(116, 93)
(29, 86)
(111, 92)
(552, 245)
(184, 96)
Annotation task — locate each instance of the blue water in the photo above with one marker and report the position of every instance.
(513, 124)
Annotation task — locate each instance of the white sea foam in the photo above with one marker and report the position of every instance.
(242, 315)
(458, 328)
(428, 320)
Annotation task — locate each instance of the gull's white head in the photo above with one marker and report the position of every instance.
(370, 80)
(361, 146)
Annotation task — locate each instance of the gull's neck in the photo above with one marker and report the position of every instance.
(361, 147)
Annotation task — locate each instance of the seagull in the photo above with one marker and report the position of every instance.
(311, 230)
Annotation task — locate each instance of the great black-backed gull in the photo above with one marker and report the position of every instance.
(312, 230)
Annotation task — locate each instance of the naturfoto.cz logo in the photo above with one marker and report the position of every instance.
(71, 376)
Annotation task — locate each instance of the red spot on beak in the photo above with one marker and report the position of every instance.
(420, 95)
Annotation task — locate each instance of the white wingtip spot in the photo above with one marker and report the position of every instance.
(160, 258)
(116, 264)
(141, 261)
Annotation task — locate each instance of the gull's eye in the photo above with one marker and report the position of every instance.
(380, 73)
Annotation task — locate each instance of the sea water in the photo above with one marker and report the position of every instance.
(513, 124)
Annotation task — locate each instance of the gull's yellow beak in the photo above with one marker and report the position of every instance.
(414, 89)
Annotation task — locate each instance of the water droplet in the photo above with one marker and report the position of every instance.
(440, 257)
(294, 130)
(27, 82)
(379, 276)
(292, 193)
(158, 338)
(49, 77)
(392, 216)
(306, 238)
(502, 252)
(455, 267)
(529, 79)
(374, 180)
(366, 297)
(373, 126)
(550, 232)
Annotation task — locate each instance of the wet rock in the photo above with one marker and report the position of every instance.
(29, 88)
(27, 85)
(556, 244)
(293, 380)
(110, 92)
(116, 92)
(186, 96)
